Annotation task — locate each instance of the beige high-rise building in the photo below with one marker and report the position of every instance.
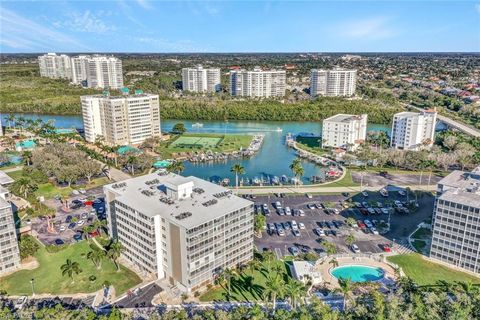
(9, 252)
(344, 131)
(257, 83)
(182, 229)
(121, 120)
(199, 79)
(337, 82)
(104, 72)
(55, 66)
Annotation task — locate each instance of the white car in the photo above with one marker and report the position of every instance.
(301, 226)
(80, 222)
(368, 223)
(294, 225)
(320, 232)
(309, 196)
(385, 211)
(365, 193)
(301, 213)
(355, 248)
(62, 228)
(20, 302)
(336, 211)
(278, 205)
(374, 230)
(288, 211)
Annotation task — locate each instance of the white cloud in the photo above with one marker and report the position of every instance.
(144, 4)
(373, 28)
(86, 22)
(477, 7)
(127, 12)
(21, 33)
(166, 45)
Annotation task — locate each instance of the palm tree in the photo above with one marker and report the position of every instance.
(345, 288)
(330, 248)
(350, 239)
(99, 225)
(27, 157)
(114, 251)
(132, 161)
(274, 287)
(238, 170)
(334, 262)
(297, 169)
(25, 186)
(69, 268)
(294, 290)
(228, 275)
(96, 255)
(176, 166)
(10, 118)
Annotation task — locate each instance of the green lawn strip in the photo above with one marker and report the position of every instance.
(419, 245)
(48, 276)
(15, 175)
(346, 181)
(425, 272)
(422, 233)
(247, 286)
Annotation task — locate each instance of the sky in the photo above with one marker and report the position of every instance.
(239, 26)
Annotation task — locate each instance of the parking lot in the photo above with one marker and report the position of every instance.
(329, 213)
(81, 210)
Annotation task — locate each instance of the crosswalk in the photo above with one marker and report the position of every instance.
(403, 248)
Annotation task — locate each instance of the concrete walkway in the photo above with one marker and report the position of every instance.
(323, 189)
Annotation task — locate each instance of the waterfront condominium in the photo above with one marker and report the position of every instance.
(456, 221)
(181, 229)
(413, 131)
(9, 252)
(199, 79)
(344, 131)
(121, 120)
(79, 69)
(104, 72)
(257, 83)
(55, 66)
(337, 82)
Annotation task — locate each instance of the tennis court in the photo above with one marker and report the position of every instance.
(196, 142)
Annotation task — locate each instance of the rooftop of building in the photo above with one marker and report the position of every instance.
(462, 180)
(470, 197)
(157, 194)
(125, 96)
(5, 179)
(345, 117)
(414, 114)
(335, 69)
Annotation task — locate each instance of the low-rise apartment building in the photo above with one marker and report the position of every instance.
(257, 83)
(344, 131)
(413, 131)
(121, 120)
(456, 221)
(183, 229)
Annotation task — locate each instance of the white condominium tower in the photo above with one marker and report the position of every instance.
(55, 66)
(95, 71)
(182, 229)
(337, 82)
(199, 79)
(9, 252)
(104, 72)
(257, 83)
(413, 131)
(344, 131)
(121, 120)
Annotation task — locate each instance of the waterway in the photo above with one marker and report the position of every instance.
(273, 159)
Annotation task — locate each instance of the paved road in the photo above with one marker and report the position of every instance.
(140, 298)
(454, 124)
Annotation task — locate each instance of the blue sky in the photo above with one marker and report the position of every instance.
(243, 26)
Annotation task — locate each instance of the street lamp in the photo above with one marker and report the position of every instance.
(32, 282)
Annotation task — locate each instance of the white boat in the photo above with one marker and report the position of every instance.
(279, 129)
(197, 125)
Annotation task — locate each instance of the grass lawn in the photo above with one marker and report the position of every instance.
(248, 286)
(422, 233)
(48, 276)
(205, 142)
(427, 273)
(15, 174)
(346, 181)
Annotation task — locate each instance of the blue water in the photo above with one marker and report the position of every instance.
(273, 159)
(358, 273)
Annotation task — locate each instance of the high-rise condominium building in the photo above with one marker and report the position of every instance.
(95, 71)
(55, 66)
(9, 252)
(344, 131)
(257, 83)
(121, 120)
(456, 221)
(199, 79)
(183, 229)
(413, 131)
(337, 82)
(104, 72)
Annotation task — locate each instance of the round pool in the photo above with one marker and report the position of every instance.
(358, 273)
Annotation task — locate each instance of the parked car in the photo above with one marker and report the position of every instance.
(355, 248)
(296, 233)
(365, 193)
(402, 192)
(59, 242)
(386, 247)
(68, 219)
(301, 226)
(294, 250)
(346, 194)
(309, 196)
(62, 228)
(319, 232)
(294, 225)
(280, 212)
(319, 205)
(278, 205)
(361, 225)
(280, 232)
(72, 225)
(77, 237)
(301, 213)
(80, 223)
(288, 211)
(286, 225)
(20, 302)
(374, 230)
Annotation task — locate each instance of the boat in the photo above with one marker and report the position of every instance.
(279, 129)
(275, 180)
(256, 181)
(284, 179)
(225, 182)
(197, 125)
(384, 193)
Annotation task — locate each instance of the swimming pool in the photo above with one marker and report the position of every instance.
(358, 273)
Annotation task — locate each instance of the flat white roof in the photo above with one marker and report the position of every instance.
(5, 178)
(147, 194)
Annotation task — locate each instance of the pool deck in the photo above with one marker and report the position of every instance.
(325, 267)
